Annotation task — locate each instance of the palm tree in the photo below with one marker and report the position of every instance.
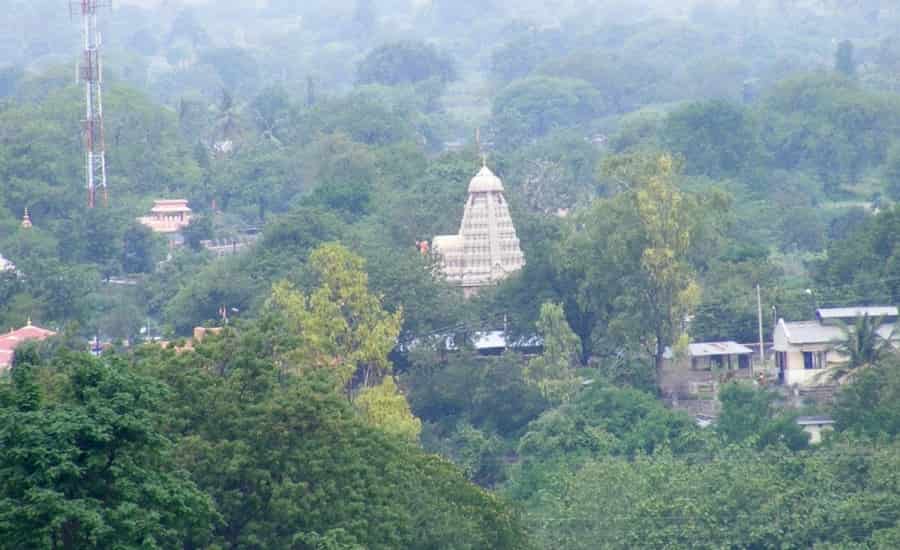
(863, 344)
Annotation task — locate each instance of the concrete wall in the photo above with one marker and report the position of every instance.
(817, 432)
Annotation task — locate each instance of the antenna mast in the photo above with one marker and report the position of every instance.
(91, 74)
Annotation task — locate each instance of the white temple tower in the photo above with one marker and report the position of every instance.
(486, 250)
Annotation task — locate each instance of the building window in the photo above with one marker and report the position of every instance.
(812, 360)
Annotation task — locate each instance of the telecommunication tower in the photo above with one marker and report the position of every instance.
(90, 73)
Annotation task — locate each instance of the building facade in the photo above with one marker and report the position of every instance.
(168, 216)
(804, 350)
(486, 250)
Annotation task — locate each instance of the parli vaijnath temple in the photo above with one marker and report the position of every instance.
(486, 249)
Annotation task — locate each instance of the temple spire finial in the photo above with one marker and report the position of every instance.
(484, 160)
(26, 220)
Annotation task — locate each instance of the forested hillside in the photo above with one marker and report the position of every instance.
(676, 173)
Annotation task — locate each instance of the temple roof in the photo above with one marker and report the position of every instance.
(485, 181)
(486, 249)
(11, 340)
(170, 206)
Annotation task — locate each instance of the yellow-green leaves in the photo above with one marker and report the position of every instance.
(386, 408)
(340, 325)
(554, 371)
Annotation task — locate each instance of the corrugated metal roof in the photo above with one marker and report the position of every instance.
(857, 311)
(706, 349)
(814, 332)
(814, 420)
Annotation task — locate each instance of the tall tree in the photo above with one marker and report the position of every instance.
(844, 60)
(663, 289)
(554, 370)
(341, 325)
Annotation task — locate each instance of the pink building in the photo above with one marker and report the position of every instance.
(11, 340)
(168, 216)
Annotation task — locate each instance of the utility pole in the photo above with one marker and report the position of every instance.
(762, 348)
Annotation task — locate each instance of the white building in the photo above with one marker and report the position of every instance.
(815, 426)
(486, 249)
(6, 265)
(805, 349)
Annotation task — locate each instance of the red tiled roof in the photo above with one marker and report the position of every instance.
(30, 332)
(11, 340)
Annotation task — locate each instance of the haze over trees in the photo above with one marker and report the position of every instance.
(660, 159)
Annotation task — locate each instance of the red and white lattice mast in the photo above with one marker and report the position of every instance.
(90, 73)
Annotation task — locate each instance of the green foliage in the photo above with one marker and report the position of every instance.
(553, 372)
(864, 265)
(864, 344)
(92, 466)
(829, 127)
(478, 453)
(491, 393)
(341, 326)
(534, 107)
(748, 414)
(867, 406)
(290, 463)
(892, 171)
(556, 173)
(844, 61)
(717, 139)
(835, 497)
(405, 62)
(385, 407)
(604, 420)
(200, 229)
(629, 258)
(140, 250)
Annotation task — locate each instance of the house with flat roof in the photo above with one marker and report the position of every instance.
(805, 349)
(719, 355)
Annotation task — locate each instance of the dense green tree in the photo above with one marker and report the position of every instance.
(139, 249)
(844, 61)
(556, 173)
(749, 413)
(405, 62)
(532, 108)
(200, 229)
(864, 266)
(553, 372)
(867, 405)
(891, 171)
(716, 138)
(654, 281)
(828, 126)
(89, 464)
(341, 326)
(665, 502)
(491, 393)
(290, 463)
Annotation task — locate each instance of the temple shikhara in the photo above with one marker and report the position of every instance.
(486, 250)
